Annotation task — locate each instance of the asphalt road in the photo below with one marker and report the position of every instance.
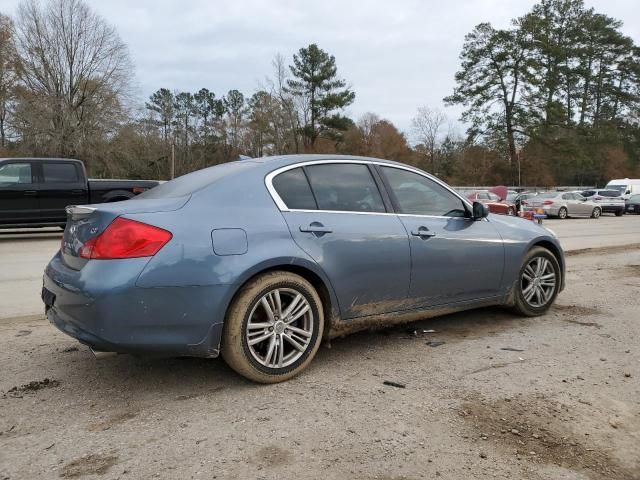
(24, 254)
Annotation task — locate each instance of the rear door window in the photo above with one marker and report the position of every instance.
(294, 190)
(15, 174)
(347, 187)
(59, 173)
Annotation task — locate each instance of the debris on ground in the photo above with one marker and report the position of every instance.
(435, 344)
(511, 349)
(31, 387)
(70, 349)
(394, 384)
(23, 333)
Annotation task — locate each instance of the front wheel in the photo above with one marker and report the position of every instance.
(538, 283)
(562, 213)
(596, 213)
(273, 328)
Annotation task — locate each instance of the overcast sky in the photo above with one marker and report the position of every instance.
(396, 54)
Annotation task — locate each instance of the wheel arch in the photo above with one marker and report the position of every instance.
(309, 272)
(117, 196)
(556, 251)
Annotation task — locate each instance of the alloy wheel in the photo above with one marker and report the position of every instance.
(279, 328)
(538, 282)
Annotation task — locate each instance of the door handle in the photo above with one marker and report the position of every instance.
(316, 227)
(423, 232)
(77, 192)
(30, 193)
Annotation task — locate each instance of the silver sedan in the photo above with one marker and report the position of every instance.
(565, 204)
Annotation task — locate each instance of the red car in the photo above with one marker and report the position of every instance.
(491, 199)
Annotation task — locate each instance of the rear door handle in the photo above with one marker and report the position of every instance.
(316, 227)
(30, 193)
(423, 232)
(77, 192)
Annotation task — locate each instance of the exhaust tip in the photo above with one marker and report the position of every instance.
(100, 355)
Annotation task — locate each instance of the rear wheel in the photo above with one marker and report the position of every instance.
(273, 328)
(596, 212)
(538, 283)
(562, 213)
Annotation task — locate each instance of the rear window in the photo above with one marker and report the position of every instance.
(60, 173)
(609, 193)
(192, 182)
(294, 190)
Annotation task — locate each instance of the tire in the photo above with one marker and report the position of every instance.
(511, 211)
(529, 307)
(563, 213)
(596, 213)
(248, 313)
(619, 213)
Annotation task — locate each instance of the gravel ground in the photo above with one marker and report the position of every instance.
(555, 397)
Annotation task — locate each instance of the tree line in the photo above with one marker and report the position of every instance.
(554, 99)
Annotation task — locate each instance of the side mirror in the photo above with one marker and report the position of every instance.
(628, 192)
(480, 210)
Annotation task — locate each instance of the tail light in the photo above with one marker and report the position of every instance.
(548, 202)
(126, 239)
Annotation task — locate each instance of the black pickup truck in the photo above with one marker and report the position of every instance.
(35, 191)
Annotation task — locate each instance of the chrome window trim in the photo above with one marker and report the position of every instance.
(268, 181)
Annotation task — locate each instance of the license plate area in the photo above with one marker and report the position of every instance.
(48, 297)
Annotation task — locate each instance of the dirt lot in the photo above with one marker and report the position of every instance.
(502, 397)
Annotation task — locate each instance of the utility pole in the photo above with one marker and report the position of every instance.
(173, 161)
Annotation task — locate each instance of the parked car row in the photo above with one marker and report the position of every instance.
(618, 198)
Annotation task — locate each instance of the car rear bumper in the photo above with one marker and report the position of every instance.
(113, 314)
(612, 208)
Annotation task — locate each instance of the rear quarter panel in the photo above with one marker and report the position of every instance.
(239, 203)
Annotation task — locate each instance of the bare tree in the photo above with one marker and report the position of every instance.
(426, 127)
(75, 72)
(8, 66)
(290, 126)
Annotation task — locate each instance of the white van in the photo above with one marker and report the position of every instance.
(626, 186)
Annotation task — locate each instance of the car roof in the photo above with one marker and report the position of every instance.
(40, 159)
(285, 160)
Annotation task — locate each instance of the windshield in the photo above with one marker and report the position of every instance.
(618, 188)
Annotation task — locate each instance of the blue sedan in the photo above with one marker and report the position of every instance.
(260, 259)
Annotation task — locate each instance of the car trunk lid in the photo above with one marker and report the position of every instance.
(85, 222)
